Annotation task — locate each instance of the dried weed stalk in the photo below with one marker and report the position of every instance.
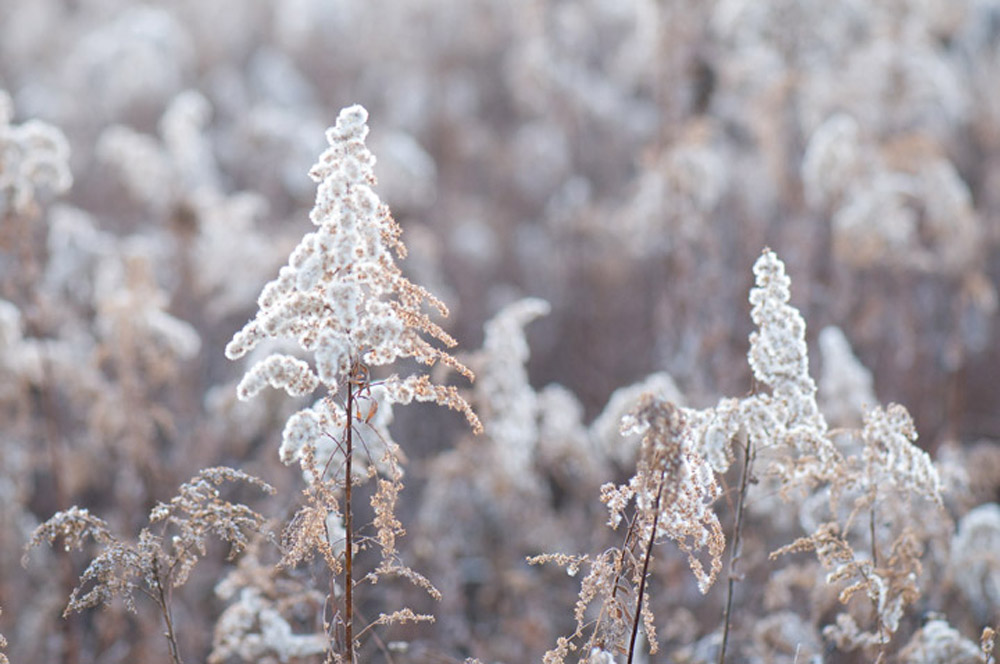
(34, 163)
(343, 299)
(780, 426)
(889, 475)
(803, 458)
(157, 562)
(671, 492)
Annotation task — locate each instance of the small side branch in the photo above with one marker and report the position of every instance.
(163, 600)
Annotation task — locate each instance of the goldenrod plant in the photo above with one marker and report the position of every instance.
(342, 299)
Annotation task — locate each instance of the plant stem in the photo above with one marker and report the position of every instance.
(871, 527)
(735, 555)
(645, 570)
(164, 601)
(349, 524)
(878, 616)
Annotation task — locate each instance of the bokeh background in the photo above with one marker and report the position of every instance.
(624, 160)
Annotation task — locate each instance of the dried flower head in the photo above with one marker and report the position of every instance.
(778, 353)
(975, 559)
(846, 387)
(783, 425)
(342, 298)
(34, 156)
(154, 563)
(672, 492)
(674, 487)
(937, 641)
(892, 459)
(504, 395)
(265, 603)
(254, 629)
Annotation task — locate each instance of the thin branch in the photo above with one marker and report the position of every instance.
(379, 643)
(164, 603)
(645, 569)
(878, 616)
(734, 557)
(349, 527)
(619, 571)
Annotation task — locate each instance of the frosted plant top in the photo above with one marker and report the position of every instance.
(341, 297)
(778, 353)
(347, 161)
(333, 297)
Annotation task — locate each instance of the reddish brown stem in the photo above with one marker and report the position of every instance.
(163, 599)
(349, 526)
(645, 570)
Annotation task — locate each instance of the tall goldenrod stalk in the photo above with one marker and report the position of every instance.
(343, 300)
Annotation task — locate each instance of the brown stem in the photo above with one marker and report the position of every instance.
(645, 570)
(619, 571)
(163, 600)
(871, 528)
(349, 525)
(735, 555)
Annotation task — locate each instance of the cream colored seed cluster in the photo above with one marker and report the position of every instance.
(846, 386)
(342, 298)
(892, 456)
(789, 416)
(279, 371)
(511, 414)
(329, 296)
(674, 486)
(33, 156)
(253, 629)
(778, 353)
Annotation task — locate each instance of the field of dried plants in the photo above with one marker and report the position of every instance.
(601, 331)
